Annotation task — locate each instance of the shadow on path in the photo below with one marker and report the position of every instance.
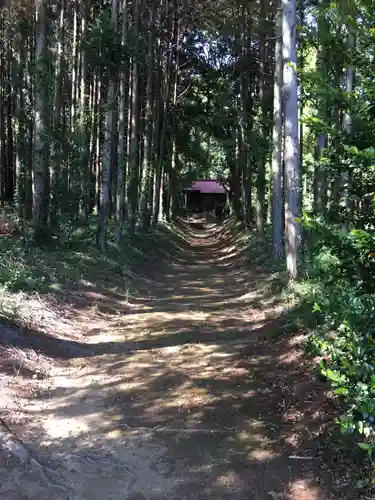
(200, 392)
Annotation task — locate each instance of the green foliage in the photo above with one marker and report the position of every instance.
(103, 45)
(68, 259)
(341, 270)
(260, 251)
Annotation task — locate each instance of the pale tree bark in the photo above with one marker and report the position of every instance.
(71, 171)
(163, 110)
(97, 146)
(20, 126)
(277, 135)
(108, 147)
(29, 125)
(92, 148)
(63, 170)
(246, 124)
(174, 154)
(147, 177)
(40, 153)
(56, 156)
(291, 153)
(74, 56)
(127, 172)
(3, 78)
(9, 185)
(154, 193)
(261, 179)
(3, 140)
(301, 63)
(347, 125)
(237, 170)
(334, 112)
(97, 139)
(85, 173)
(133, 188)
(320, 175)
(123, 131)
(158, 179)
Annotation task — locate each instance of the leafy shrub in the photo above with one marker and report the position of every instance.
(343, 266)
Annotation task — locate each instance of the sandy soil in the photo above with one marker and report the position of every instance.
(193, 388)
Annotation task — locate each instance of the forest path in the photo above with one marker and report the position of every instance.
(196, 391)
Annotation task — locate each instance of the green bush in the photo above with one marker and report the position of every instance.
(342, 267)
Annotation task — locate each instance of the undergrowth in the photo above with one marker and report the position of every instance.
(335, 305)
(339, 284)
(29, 271)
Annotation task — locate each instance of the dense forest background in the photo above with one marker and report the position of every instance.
(109, 109)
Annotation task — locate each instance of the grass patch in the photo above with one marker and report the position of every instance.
(28, 271)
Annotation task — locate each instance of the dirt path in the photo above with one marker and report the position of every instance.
(193, 392)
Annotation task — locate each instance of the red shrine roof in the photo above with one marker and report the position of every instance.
(207, 186)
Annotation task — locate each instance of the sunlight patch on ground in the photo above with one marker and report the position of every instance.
(231, 481)
(159, 318)
(63, 428)
(256, 444)
(290, 357)
(263, 455)
(303, 490)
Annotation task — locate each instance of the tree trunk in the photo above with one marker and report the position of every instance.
(291, 156)
(85, 168)
(320, 175)
(277, 171)
(40, 156)
(246, 124)
(261, 178)
(347, 125)
(123, 132)
(108, 147)
(149, 115)
(174, 154)
(133, 189)
(162, 127)
(56, 156)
